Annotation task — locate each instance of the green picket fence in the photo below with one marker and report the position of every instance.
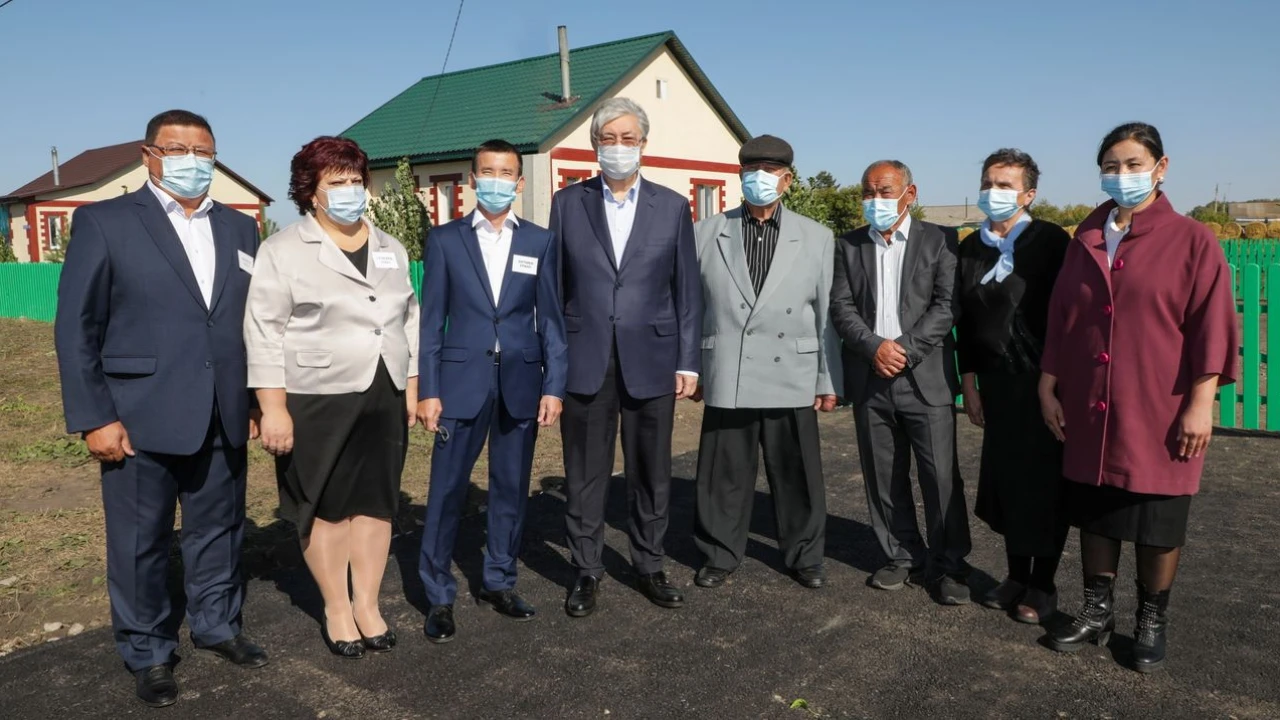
(29, 290)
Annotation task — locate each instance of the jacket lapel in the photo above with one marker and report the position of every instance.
(783, 257)
(645, 201)
(735, 257)
(330, 255)
(520, 245)
(910, 259)
(867, 256)
(471, 244)
(224, 252)
(593, 203)
(378, 244)
(166, 239)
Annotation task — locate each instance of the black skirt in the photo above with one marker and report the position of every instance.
(348, 454)
(1157, 520)
(1020, 480)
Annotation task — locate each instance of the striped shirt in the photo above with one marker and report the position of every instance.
(760, 240)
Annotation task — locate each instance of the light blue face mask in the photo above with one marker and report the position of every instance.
(1129, 189)
(346, 204)
(495, 195)
(186, 176)
(760, 187)
(882, 213)
(999, 205)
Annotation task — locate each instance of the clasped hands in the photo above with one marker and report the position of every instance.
(890, 359)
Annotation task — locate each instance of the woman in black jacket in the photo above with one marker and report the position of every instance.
(1006, 275)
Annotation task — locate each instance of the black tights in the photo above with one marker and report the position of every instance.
(1157, 566)
(1038, 571)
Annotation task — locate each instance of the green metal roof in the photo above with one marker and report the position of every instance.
(517, 101)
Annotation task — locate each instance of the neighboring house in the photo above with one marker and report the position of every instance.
(1247, 212)
(967, 215)
(39, 212)
(438, 122)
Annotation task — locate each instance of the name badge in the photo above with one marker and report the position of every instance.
(246, 261)
(385, 261)
(524, 264)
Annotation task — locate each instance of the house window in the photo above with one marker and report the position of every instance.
(662, 89)
(569, 176)
(53, 225)
(708, 201)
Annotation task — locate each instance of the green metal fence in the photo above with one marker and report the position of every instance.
(31, 291)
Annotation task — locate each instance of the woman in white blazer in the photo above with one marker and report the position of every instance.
(331, 330)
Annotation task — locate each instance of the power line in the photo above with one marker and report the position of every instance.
(439, 79)
(6, 2)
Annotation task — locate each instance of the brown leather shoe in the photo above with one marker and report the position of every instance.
(1036, 607)
(1005, 595)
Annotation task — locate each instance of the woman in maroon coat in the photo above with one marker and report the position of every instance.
(1142, 331)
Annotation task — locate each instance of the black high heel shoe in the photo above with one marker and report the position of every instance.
(378, 643)
(349, 649)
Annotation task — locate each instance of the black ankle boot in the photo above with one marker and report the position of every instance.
(1149, 638)
(1096, 618)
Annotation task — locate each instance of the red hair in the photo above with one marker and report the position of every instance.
(333, 154)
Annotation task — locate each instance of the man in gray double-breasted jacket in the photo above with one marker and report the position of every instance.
(768, 355)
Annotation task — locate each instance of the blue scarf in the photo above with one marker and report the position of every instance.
(1004, 266)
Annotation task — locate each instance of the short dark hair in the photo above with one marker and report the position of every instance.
(1145, 134)
(1015, 158)
(323, 153)
(181, 118)
(497, 146)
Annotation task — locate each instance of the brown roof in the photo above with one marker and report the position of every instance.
(94, 166)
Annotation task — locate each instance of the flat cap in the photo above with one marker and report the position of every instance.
(766, 148)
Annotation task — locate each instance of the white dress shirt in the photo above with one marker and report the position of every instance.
(621, 215)
(495, 248)
(196, 235)
(1113, 235)
(889, 279)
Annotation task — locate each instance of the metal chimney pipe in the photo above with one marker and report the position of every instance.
(564, 63)
(57, 180)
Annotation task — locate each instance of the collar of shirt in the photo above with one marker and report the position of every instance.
(632, 193)
(774, 220)
(899, 235)
(479, 221)
(171, 206)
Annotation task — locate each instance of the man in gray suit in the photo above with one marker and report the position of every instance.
(767, 355)
(891, 303)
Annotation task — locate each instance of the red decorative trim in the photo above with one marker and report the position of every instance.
(33, 235)
(566, 173)
(653, 161)
(457, 201)
(694, 184)
(62, 203)
(47, 243)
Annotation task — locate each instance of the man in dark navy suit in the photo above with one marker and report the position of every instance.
(633, 316)
(492, 364)
(152, 360)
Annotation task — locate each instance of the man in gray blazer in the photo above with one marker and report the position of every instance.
(891, 303)
(768, 353)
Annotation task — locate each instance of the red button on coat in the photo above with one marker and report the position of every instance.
(1119, 265)
(1107, 310)
(1100, 406)
(1104, 358)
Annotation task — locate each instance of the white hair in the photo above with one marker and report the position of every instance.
(614, 108)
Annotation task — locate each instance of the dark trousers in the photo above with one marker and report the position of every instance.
(139, 496)
(728, 457)
(892, 422)
(589, 427)
(511, 443)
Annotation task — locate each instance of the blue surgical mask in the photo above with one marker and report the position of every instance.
(882, 213)
(760, 187)
(999, 205)
(495, 195)
(346, 203)
(186, 176)
(1129, 189)
(618, 162)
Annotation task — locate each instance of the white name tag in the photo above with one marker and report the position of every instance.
(524, 264)
(246, 261)
(385, 261)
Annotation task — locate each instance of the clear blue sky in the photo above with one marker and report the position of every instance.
(937, 84)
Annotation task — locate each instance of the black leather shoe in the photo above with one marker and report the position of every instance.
(711, 577)
(349, 649)
(440, 627)
(380, 643)
(1095, 621)
(508, 603)
(659, 591)
(581, 601)
(240, 651)
(156, 686)
(814, 576)
(1149, 638)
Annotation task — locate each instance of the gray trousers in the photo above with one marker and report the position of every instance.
(892, 422)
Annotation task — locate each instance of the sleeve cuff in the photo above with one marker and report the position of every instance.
(687, 373)
(266, 376)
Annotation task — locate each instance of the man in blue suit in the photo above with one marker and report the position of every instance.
(152, 360)
(633, 312)
(497, 372)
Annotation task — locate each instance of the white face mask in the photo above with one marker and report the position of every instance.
(618, 162)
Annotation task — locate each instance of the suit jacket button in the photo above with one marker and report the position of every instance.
(1100, 406)
(610, 318)
(373, 298)
(788, 311)
(208, 364)
(743, 306)
(751, 332)
(488, 353)
(378, 331)
(781, 335)
(210, 323)
(1118, 265)
(777, 359)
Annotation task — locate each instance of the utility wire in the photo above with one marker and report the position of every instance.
(439, 79)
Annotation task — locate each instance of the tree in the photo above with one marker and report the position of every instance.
(268, 228)
(1211, 212)
(59, 254)
(822, 199)
(1066, 216)
(399, 211)
(7, 255)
